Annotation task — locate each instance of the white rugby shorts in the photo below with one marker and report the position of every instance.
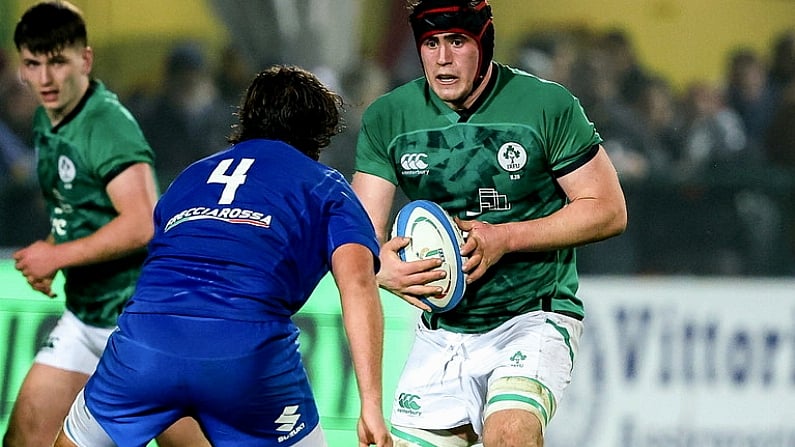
(447, 375)
(73, 345)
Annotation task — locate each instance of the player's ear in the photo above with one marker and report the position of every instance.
(88, 59)
(21, 77)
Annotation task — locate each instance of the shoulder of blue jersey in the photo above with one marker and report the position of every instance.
(433, 235)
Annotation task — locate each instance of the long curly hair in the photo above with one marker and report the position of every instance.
(289, 104)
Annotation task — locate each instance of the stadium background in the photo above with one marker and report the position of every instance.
(718, 344)
(682, 39)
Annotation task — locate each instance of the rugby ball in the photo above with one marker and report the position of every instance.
(433, 235)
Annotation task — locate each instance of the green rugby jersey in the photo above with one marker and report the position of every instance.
(498, 166)
(76, 160)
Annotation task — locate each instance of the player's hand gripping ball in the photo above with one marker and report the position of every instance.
(433, 235)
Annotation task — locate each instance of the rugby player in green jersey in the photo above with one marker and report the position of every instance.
(95, 171)
(517, 162)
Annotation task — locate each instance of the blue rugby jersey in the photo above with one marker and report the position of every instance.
(247, 234)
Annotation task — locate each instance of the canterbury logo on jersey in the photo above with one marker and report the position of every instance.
(228, 215)
(414, 163)
(288, 421)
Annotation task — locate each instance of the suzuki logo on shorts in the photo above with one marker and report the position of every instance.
(414, 163)
(288, 418)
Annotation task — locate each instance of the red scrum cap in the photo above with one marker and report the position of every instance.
(469, 17)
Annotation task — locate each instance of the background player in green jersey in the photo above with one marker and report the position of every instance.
(95, 171)
(515, 159)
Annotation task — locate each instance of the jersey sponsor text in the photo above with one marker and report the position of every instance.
(228, 215)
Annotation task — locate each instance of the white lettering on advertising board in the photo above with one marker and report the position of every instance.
(682, 362)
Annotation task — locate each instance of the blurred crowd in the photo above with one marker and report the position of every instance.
(653, 129)
(708, 169)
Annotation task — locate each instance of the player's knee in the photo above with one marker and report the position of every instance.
(513, 428)
(415, 437)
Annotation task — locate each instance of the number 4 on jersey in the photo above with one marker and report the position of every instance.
(230, 182)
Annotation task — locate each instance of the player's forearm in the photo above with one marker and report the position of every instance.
(367, 357)
(352, 267)
(364, 325)
(580, 222)
(119, 237)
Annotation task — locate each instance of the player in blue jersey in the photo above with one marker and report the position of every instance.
(242, 238)
(515, 159)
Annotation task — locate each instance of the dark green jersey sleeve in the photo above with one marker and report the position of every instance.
(385, 121)
(371, 150)
(571, 133)
(115, 139)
